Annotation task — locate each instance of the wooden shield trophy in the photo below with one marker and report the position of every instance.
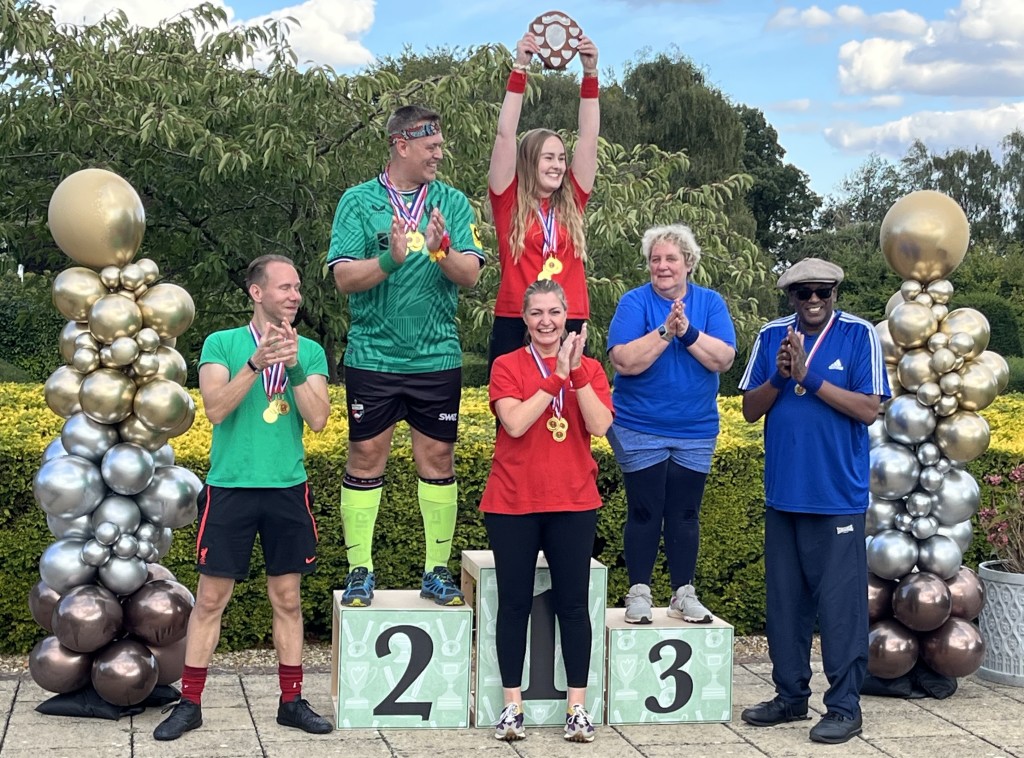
(557, 36)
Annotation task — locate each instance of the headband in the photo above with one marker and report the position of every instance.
(427, 129)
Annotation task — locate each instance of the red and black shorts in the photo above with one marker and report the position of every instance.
(429, 402)
(231, 517)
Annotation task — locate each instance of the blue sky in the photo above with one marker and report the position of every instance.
(838, 81)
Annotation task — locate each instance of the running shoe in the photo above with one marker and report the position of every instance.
(510, 725)
(439, 586)
(359, 586)
(578, 726)
(685, 605)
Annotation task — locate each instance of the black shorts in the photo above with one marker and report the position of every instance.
(429, 402)
(509, 334)
(231, 517)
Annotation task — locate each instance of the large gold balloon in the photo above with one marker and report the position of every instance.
(998, 366)
(890, 350)
(924, 236)
(915, 368)
(113, 316)
(979, 387)
(161, 404)
(911, 324)
(973, 323)
(890, 305)
(133, 430)
(61, 391)
(97, 218)
(68, 335)
(168, 309)
(962, 436)
(106, 396)
(896, 389)
(75, 289)
(186, 423)
(171, 365)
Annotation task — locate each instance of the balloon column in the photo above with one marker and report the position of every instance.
(109, 485)
(921, 600)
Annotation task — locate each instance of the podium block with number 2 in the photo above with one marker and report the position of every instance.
(402, 662)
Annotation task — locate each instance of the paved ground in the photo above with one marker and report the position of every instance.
(980, 720)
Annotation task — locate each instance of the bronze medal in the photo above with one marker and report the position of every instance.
(552, 424)
(283, 408)
(415, 240)
(799, 390)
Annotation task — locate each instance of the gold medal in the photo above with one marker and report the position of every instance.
(799, 390)
(552, 424)
(283, 408)
(558, 435)
(270, 414)
(415, 240)
(553, 266)
(563, 426)
(544, 274)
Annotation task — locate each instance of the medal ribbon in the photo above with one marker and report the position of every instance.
(557, 400)
(547, 225)
(821, 338)
(412, 215)
(274, 377)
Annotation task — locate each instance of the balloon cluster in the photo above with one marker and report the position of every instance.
(109, 485)
(921, 600)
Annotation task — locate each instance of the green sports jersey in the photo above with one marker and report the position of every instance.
(246, 451)
(405, 324)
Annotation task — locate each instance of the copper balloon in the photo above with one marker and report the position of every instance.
(962, 436)
(997, 365)
(924, 236)
(979, 387)
(892, 649)
(170, 660)
(87, 618)
(921, 601)
(106, 396)
(168, 309)
(124, 672)
(74, 291)
(61, 391)
(972, 322)
(56, 668)
(915, 369)
(954, 649)
(112, 316)
(96, 218)
(968, 594)
(158, 612)
(42, 599)
(879, 597)
(161, 404)
(911, 324)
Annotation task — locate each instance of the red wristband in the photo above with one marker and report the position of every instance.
(589, 88)
(516, 82)
(579, 377)
(552, 384)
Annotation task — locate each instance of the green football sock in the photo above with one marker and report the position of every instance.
(439, 504)
(358, 516)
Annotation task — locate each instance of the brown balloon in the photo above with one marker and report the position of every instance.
(57, 669)
(954, 649)
(42, 599)
(124, 672)
(158, 612)
(156, 571)
(170, 661)
(921, 601)
(87, 618)
(892, 649)
(879, 597)
(968, 594)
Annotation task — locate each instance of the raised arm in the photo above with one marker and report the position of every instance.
(503, 154)
(584, 157)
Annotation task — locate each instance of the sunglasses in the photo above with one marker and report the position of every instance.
(804, 293)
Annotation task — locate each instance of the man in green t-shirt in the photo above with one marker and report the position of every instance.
(401, 246)
(261, 384)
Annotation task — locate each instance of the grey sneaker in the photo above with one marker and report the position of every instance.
(510, 724)
(638, 605)
(685, 605)
(578, 726)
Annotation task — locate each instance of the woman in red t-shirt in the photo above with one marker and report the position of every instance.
(538, 211)
(541, 494)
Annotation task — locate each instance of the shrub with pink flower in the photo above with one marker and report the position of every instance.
(1003, 518)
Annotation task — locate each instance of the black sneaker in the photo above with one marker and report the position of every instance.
(774, 711)
(835, 728)
(184, 717)
(298, 714)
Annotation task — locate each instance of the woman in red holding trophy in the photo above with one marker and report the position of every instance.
(537, 196)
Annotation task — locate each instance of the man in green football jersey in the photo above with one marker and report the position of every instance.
(401, 246)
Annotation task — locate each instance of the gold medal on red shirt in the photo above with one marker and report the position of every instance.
(553, 265)
(558, 435)
(552, 424)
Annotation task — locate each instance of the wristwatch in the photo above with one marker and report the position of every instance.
(663, 333)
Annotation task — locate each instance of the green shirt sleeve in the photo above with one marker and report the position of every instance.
(461, 223)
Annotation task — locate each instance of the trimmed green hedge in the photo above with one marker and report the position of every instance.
(730, 569)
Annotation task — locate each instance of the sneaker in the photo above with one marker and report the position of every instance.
(774, 711)
(685, 605)
(578, 726)
(359, 586)
(298, 714)
(439, 586)
(185, 716)
(638, 605)
(510, 725)
(835, 728)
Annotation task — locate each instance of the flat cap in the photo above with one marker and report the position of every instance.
(810, 270)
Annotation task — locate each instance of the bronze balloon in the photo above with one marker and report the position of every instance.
(921, 601)
(133, 430)
(924, 236)
(158, 612)
(57, 669)
(42, 599)
(971, 322)
(87, 618)
(911, 324)
(72, 331)
(168, 309)
(997, 365)
(75, 289)
(979, 387)
(890, 351)
(161, 404)
(124, 672)
(61, 391)
(170, 660)
(111, 277)
(113, 316)
(954, 649)
(962, 436)
(915, 368)
(106, 396)
(151, 272)
(879, 597)
(941, 290)
(968, 593)
(97, 218)
(892, 649)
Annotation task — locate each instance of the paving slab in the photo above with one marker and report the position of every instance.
(915, 747)
(646, 735)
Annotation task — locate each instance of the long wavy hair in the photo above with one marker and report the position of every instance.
(562, 199)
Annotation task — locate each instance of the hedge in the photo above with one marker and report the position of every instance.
(730, 568)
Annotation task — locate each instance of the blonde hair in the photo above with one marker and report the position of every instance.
(544, 287)
(562, 201)
(679, 235)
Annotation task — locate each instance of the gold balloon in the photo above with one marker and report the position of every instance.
(85, 360)
(910, 289)
(171, 365)
(946, 406)
(161, 404)
(87, 341)
(911, 324)
(979, 387)
(126, 294)
(973, 323)
(132, 276)
(61, 391)
(940, 311)
(68, 335)
(186, 423)
(111, 276)
(107, 358)
(941, 290)
(124, 350)
(168, 309)
(113, 316)
(963, 436)
(915, 369)
(924, 299)
(943, 360)
(896, 389)
(924, 236)
(146, 365)
(929, 393)
(937, 340)
(151, 272)
(106, 396)
(140, 291)
(168, 341)
(147, 339)
(951, 383)
(133, 430)
(962, 344)
(998, 366)
(890, 351)
(97, 218)
(896, 299)
(75, 289)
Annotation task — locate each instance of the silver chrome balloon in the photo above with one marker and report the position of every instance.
(939, 555)
(122, 576)
(876, 432)
(903, 521)
(957, 499)
(118, 510)
(126, 546)
(170, 501)
(61, 566)
(127, 468)
(930, 479)
(924, 527)
(86, 438)
(106, 532)
(68, 487)
(928, 453)
(891, 554)
(163, 456)
(134, 431)
(962, 534)
(54, 450)
(163, 541)
(894, 471)
(907, 421)
(95, 553)
(79, 528)
(919, 504)
(880, 515)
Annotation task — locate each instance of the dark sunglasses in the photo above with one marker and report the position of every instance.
(804, 293)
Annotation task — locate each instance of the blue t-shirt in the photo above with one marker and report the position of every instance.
(676, 396)
(816, 459)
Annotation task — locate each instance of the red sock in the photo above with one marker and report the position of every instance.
(290, 678)
(193, 681)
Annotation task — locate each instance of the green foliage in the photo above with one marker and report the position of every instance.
(1016, 383)
(32, 325)
(11, 373)
(474, 370)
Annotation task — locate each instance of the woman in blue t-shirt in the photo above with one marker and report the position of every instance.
(668, 341)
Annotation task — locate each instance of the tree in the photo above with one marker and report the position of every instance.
(865, 195)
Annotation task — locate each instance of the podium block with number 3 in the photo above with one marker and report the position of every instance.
(544, 687)
(402, 662)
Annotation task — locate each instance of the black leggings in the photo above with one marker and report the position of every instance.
(567, 539)
(665, 495)
(509, 334)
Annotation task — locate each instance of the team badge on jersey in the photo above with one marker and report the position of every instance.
(357, 411)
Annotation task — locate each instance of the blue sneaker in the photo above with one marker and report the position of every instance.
(439, 586)
(359, 586)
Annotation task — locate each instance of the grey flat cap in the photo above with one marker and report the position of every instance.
(810, 270)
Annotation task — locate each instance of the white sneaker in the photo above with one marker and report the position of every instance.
(510, 724)
(578, 726)
(685, 605)
(638, 605)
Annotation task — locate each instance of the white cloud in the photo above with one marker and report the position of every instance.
(903, 23)
(141, 12)
(990, 19)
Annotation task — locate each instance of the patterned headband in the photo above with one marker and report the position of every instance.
(427, 129)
